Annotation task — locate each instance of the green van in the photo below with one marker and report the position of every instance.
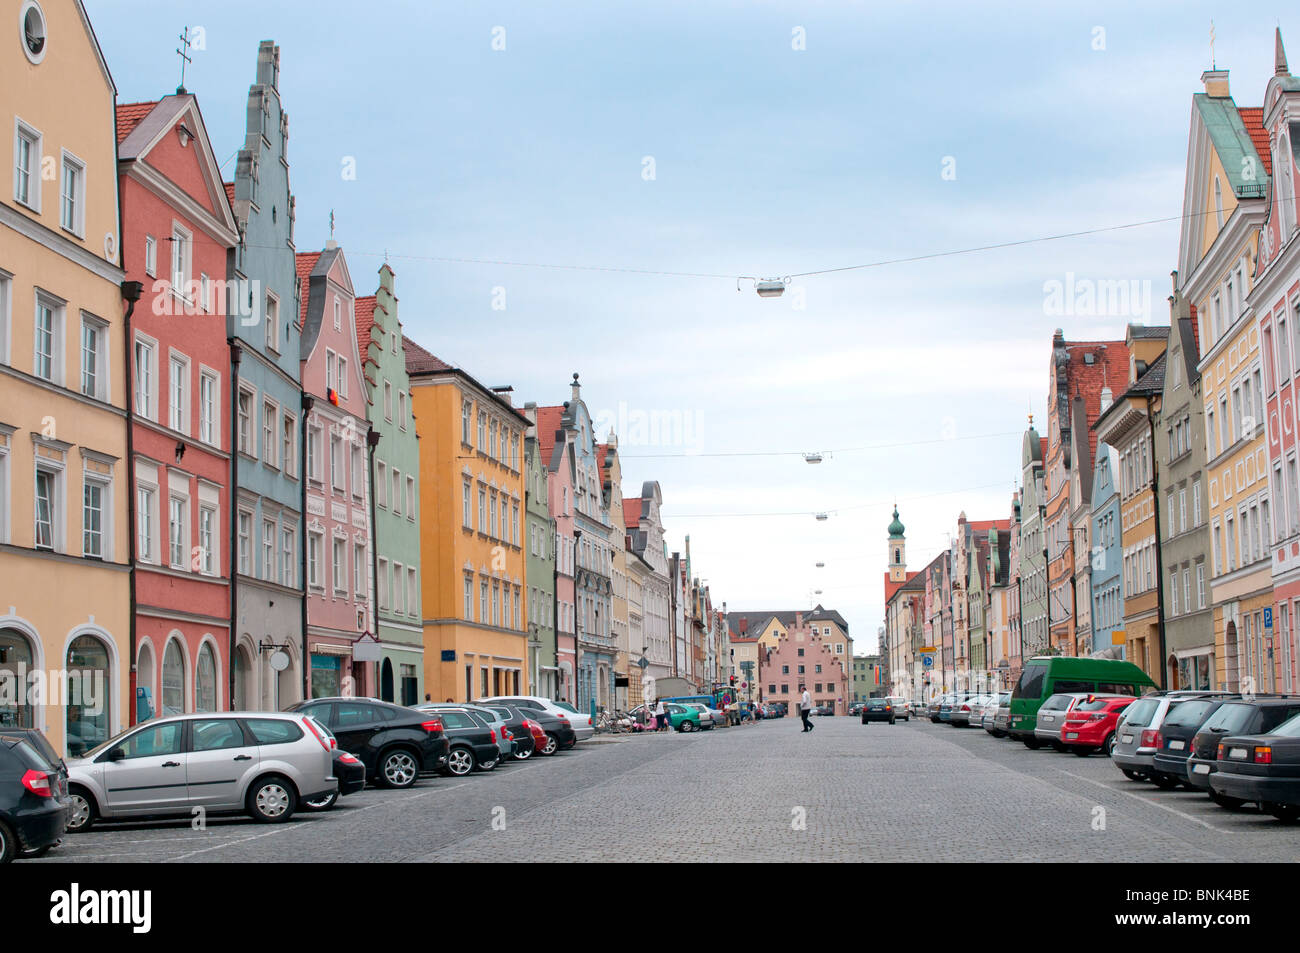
(1045, 675)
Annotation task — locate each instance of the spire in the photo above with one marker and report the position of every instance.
(896, 528)
(1279, 56)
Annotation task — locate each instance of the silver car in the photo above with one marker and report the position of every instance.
(1134, 751)
(261, 763)
(1051, 716)
(996, 714)
(505, 744)
(581, 724)
(713, 716)
(966, 711)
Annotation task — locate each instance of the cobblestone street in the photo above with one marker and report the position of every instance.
(847, 791)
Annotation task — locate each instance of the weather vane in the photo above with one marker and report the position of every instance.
(183, 52)
(1212, 60)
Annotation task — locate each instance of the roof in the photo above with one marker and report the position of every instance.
(632, 512)
(786, 616)
(230, 190)
(365, 312)
(1233, 141)
(1109, 367)
(1252, 117)
(420, 361)
(983, 526)
(130, 115)
(548, 422)
(602, 450)
(305, 263)
(1149, 331)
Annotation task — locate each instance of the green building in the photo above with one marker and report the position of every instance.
(395, 476)
(869, 679)
(540, 566)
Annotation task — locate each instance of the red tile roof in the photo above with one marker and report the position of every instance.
(1042, 449)
(1196, 330)
(632, 513)
(230, 191)
(983, 526)
(365, 311)
(1109, 368)
(548, 421)
(1253, 119)
(601, 450)
(893, 587)
(420, 361)
(130, 115)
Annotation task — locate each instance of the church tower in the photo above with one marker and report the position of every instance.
(897, 551)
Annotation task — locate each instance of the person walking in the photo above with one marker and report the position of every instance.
(805, 706)
(661, 716)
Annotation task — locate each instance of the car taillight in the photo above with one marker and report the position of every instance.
(1150, 738)
(348, 758)
(432, 726)
(1219, 753)
(1095, 716)
(319, 737)
(493, 733)
(1263, 755)
(38, 782)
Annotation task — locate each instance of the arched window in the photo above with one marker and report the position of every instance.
(205, 680)
(89, 689)
(173, 680)
(146, 685)
(15, 657)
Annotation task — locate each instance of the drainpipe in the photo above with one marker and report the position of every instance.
(307, 402)
(232, 509)
(1160, 571)
(372, 442)
(555, 608)
(131, 291)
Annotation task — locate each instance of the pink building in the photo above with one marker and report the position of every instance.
(339, 577)
(800, 658)
(558, 459)
(177, 226)
(1275, 297)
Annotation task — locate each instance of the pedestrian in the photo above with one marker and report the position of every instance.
(428, 697)
(805, 705)
(661, 716)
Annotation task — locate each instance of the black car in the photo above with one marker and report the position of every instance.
(34, 804)
(878, 709)
(1264, 768)
(560, 735)
(1169, 763)
(1254, 716)
(473, 743)
(349, 770)
(523, 738)
(394, 743)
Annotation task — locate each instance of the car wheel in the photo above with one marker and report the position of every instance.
(398, 769)
(552, 745)
(488, 765)
(322, 803)
(1033, 744)
(460, 761)
(1108, 745)
(1223, 800)
(523, 754)
(84, 812)
(1164, 782)
(271, 800)
(1084, 751)
(1287, 813)
(8, 844)
(864, 721)
(1059, 746)
(38, 852)
(1132, 775)
(688, 726)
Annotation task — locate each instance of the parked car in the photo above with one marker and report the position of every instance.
(878, 709)
(523, 734)
(856, 708)
(1173, 740)
(1050, 717)
(1003, 717)
(709, 717)
(261, 764)
(347, 768)
(1090, 723)
(1046, 675)
(901, 709)
(950, 701)
(472, 743)
(932, 709)
(394, 743)
(1264, 768)
(34, 803)
(557, 733)
(490, 718)
(964, 711)
(580, 723)
(1259, 715)
(998, 703)
(685, 719)
(1135, 735)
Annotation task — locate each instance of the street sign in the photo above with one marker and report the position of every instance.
(927, 661)
(928, 649)
(1268, 618)
(643, 663)
(1118, 637)
(744, 684)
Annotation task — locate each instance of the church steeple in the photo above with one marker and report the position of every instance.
(897, 550)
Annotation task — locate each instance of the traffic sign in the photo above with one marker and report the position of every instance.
(927, 661)
(1268, 617)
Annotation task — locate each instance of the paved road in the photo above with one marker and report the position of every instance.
(911, 792)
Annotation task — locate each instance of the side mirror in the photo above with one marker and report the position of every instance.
(117, 754)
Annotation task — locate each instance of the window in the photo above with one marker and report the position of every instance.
(288, 450)
(464, 422)
(150, 256)
(388, 401)
(207, 540)
(397, 492)
(46, 509)
(272, 318)
(180, 261)
(270, 414)
(469, 598)
(465, 500)
(245, 542)
(176, 532)
(329, 370)
(27, 166)
(338, 315)
(92, 518)
(410, 498)
(288, 565)
(339, 567)
(399, 593)
(381, 584)
(343, 377)
(412, 603)
(359, 570)
(483, 601)
(72, 195)
(1196, 503)
(208, 424)
(245, 411)
(336, 462)
(314, 541)
(178, 369)
(358, 472)
(401, 409)
(48, 335)
(483, 526)
(381, 484)
(315, 435)
(492, 512)
(482, 433)
(268, 550)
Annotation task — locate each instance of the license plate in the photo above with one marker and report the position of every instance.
(1126, 739)
(1177, 745)
(1071, 735)
(1238, 753)
(1201, 768)
(1049, 718)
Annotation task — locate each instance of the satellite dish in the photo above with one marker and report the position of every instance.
(280, 660)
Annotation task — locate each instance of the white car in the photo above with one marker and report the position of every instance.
(581, 724)
(715, 717)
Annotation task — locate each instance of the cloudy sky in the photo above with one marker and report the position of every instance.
(695, 138)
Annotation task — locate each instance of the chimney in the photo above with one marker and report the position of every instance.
(1216, 83)
(1107, 398)
(743, 625)
(504, 391)
(576, 388)
(798, 620)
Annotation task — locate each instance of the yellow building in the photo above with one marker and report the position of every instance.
(471, 532)
(1227, 181)
(64, 568)
(1126, 426)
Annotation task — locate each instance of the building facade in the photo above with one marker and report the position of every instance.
(1033, 547)
(647, 563)
(539, 570)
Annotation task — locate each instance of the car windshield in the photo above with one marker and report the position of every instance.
(1290, 728)
(1141, 711)
(1229, 718)
(566, 706)
(1189, 714)
(1057, 701)
(1096, 704)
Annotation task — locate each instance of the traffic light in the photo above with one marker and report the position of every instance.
(733, 681)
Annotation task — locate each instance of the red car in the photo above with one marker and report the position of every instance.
(1090, 726)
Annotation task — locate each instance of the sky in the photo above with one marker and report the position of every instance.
(722, 139)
